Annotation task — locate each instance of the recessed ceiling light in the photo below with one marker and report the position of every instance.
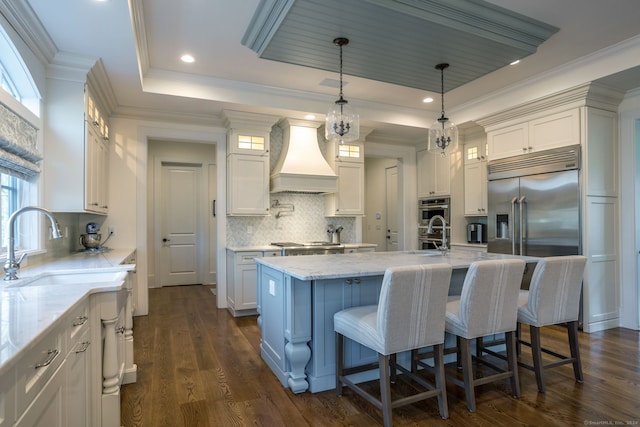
(515, 62)
(187, 58)
(310, 116)
(427, 100)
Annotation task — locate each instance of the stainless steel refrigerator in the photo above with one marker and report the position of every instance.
(534, 203)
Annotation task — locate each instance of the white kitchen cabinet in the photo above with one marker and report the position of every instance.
(475, 178)
(600, 159)
(36, 368)
(508, 141)
(7, 398)
(247, 185)
(77, 150)
(97, 171)
(47, 409)
(568, 118)
(107, 355)
(347, 161)
(78, 376)
(248, 144)
(434, 174)
(242, 281)
(551, 131)
(53, 378)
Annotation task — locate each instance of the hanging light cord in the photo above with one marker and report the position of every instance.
(341, 101)
(341, 128)
(441, 67)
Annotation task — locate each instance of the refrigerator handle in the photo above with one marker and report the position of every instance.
(514, 202)
(522, 202)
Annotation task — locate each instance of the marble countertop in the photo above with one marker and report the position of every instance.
(319, 267)
(31, 311)
(266, 248)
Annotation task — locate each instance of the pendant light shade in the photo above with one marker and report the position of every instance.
(342, 122)
(443, 134)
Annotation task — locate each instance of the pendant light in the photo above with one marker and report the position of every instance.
(342, 122)
(443, 134)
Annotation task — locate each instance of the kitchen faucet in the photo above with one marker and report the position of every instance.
(444, 249)
(11, 266)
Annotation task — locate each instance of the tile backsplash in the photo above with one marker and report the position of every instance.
(305, 223)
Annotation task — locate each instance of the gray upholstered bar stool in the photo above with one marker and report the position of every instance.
(553, 298)
(487, 305)
(409, 315)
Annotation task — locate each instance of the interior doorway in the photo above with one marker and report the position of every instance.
(180, 224)
(182, 237)
(381, 223)
(391, 209)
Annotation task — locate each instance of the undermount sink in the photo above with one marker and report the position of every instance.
(70, 278)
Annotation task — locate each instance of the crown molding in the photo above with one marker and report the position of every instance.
(234, 119)
(588, 94)
(136, 13)
(25, 22)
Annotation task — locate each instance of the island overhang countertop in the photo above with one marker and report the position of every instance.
(297, 297)
(321, 267)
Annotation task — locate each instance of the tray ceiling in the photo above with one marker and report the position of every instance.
(473, 36)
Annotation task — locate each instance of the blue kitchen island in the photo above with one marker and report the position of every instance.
(298, 296)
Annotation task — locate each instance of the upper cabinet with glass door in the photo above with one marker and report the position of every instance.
(248, 142)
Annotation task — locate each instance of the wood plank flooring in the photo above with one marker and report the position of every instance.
(198, 366)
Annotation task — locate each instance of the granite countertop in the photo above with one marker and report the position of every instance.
(319, 267)
(31, 311)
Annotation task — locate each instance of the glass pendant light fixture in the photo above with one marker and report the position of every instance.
(342, 122)
(443, 134)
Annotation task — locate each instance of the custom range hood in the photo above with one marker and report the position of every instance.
(302, 168)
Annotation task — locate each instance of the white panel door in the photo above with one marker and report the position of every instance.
(391, 181)
(180, 225)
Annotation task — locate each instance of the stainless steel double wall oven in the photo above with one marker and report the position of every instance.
(427, 209)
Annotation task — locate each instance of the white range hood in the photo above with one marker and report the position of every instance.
(302, 168)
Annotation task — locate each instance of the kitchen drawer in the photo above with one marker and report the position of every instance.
(247, 257)
(77, 323)
(38, 364)
(272, 253)
(7, 398)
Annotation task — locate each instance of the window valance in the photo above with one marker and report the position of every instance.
(19, 154)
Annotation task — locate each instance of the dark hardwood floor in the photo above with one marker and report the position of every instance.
(198, 366)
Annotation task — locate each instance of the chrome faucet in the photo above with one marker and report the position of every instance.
(11, 266)
(444, 249)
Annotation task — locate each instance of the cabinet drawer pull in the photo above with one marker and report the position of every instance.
(356, 281)
(80, 320)
(348, 281)
(51, 354)
(83, 347)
